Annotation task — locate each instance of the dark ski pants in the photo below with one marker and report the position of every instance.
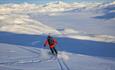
(54, 51)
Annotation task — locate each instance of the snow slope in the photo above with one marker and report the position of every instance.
(44, 19)
(87, 47)
(14, 57)
(23, 24)
(85, 34)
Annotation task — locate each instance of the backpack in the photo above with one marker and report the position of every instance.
(50, 41)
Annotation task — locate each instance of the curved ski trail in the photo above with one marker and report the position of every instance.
(29, 59)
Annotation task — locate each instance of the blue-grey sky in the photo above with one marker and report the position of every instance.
(46, 1)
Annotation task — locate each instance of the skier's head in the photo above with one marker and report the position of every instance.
(48, 37)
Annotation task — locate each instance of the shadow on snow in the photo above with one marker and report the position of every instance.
(107, 13)
(86, 47)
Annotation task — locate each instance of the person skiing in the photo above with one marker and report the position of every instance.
(51, 42)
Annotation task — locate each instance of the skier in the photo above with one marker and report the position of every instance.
(52, 43)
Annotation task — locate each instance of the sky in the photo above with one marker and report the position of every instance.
(46, 1)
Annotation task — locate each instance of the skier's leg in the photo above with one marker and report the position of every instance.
(55, 51)
(52, 50)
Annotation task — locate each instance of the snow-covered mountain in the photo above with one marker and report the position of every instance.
(51, 7)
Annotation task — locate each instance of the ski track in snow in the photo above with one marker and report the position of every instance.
(8, 68)
(39, 55)
(27, 49)
(26, 62)
(62, 64)
(21, 60)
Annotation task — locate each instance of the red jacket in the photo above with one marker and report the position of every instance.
(53, 45)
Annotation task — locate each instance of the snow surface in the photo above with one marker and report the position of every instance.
(26, 52)
(14, 57)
